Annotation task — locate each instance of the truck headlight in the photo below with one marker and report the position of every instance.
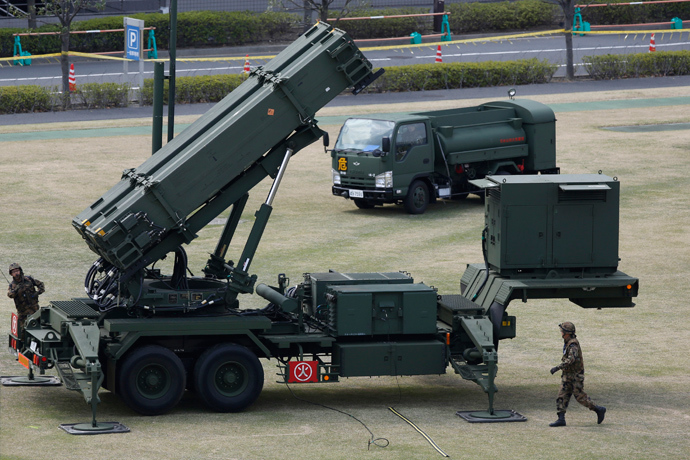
(336, 177)
(384, 180)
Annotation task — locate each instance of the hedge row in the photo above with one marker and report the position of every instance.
(482, 17)
(426, 77)
(213, 88)
(26, 99)
(212, 28)
(387, 28)
(199, 89)
(658, 64)
(34, 98)
(464, 18)
(634, 14)
(194, 30)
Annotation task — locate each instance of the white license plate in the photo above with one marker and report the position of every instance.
(356, 194)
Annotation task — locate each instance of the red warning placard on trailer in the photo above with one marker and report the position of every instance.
(303, 372)
(14, 327)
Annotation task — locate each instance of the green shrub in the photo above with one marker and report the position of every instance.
(386, 28)
(453, 75)
(484, 17)
(102, 95)
(634, 14)
(194, 29)
(26, 99)
(658, 64)
(191, 90)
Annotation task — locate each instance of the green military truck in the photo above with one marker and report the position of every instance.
(148, 336)
(416, 158)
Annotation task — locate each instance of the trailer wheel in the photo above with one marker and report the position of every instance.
(151, 380)
(228, 377)
(417, 198)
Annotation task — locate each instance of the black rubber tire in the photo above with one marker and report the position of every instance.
(363, 204)
(228, 377)
(417, 198)
(151, 380)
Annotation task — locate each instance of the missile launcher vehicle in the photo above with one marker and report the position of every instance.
(147, 336)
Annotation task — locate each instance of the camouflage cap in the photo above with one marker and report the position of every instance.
(567, 327)
(14, 267)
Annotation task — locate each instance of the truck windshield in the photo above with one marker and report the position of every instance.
(363, 134)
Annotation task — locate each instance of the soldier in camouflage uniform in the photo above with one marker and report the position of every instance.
(573, 377)
(25, 291)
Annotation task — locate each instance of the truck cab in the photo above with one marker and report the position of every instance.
(377, 161)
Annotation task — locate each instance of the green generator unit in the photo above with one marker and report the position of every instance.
(381, 309)
(319, 283)
(560, 225)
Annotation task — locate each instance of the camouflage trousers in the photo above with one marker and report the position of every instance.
(24, 312)
(572, 384)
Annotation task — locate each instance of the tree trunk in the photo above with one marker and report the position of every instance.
(306, 19)
(324, 11)
(64, 65)
(31, 9)
(569, 15)
(569, 64)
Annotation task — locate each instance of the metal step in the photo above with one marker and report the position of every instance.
(67, 375)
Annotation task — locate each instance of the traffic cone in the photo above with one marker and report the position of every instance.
(652, 45)
(246, 64)
(72, 78)
(439, 56)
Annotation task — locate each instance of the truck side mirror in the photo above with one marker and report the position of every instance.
(326, 141)
(386, 144)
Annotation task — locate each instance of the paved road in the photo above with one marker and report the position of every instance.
(368, 99)
(551, 48)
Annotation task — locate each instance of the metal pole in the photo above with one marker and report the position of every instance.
(158, 89)
(171, 77)
(279, 177)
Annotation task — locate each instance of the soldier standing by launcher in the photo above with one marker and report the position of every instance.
(573, 378)
(23, 289)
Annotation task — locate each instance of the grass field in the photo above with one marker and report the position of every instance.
(637, 362)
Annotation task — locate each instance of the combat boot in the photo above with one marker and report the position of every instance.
(560, 421)
(601, 412)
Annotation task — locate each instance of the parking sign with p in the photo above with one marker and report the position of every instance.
(133, 33)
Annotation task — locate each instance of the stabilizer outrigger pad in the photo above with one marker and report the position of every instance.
(100, 428)
(477, 416)
(38, 381)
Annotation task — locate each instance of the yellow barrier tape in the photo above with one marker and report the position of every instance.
(630, 32)
(467, 40)
(40, 56)
(474, 41)
(98, 56)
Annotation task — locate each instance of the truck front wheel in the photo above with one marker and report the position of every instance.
(417, 198)
(228, 378)
(151, 380)
(363, 204)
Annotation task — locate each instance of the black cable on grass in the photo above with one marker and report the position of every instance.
(379, 442)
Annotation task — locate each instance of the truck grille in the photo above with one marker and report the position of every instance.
(357, 181)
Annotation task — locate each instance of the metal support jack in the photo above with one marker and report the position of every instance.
(88, 379)
(480, 331)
